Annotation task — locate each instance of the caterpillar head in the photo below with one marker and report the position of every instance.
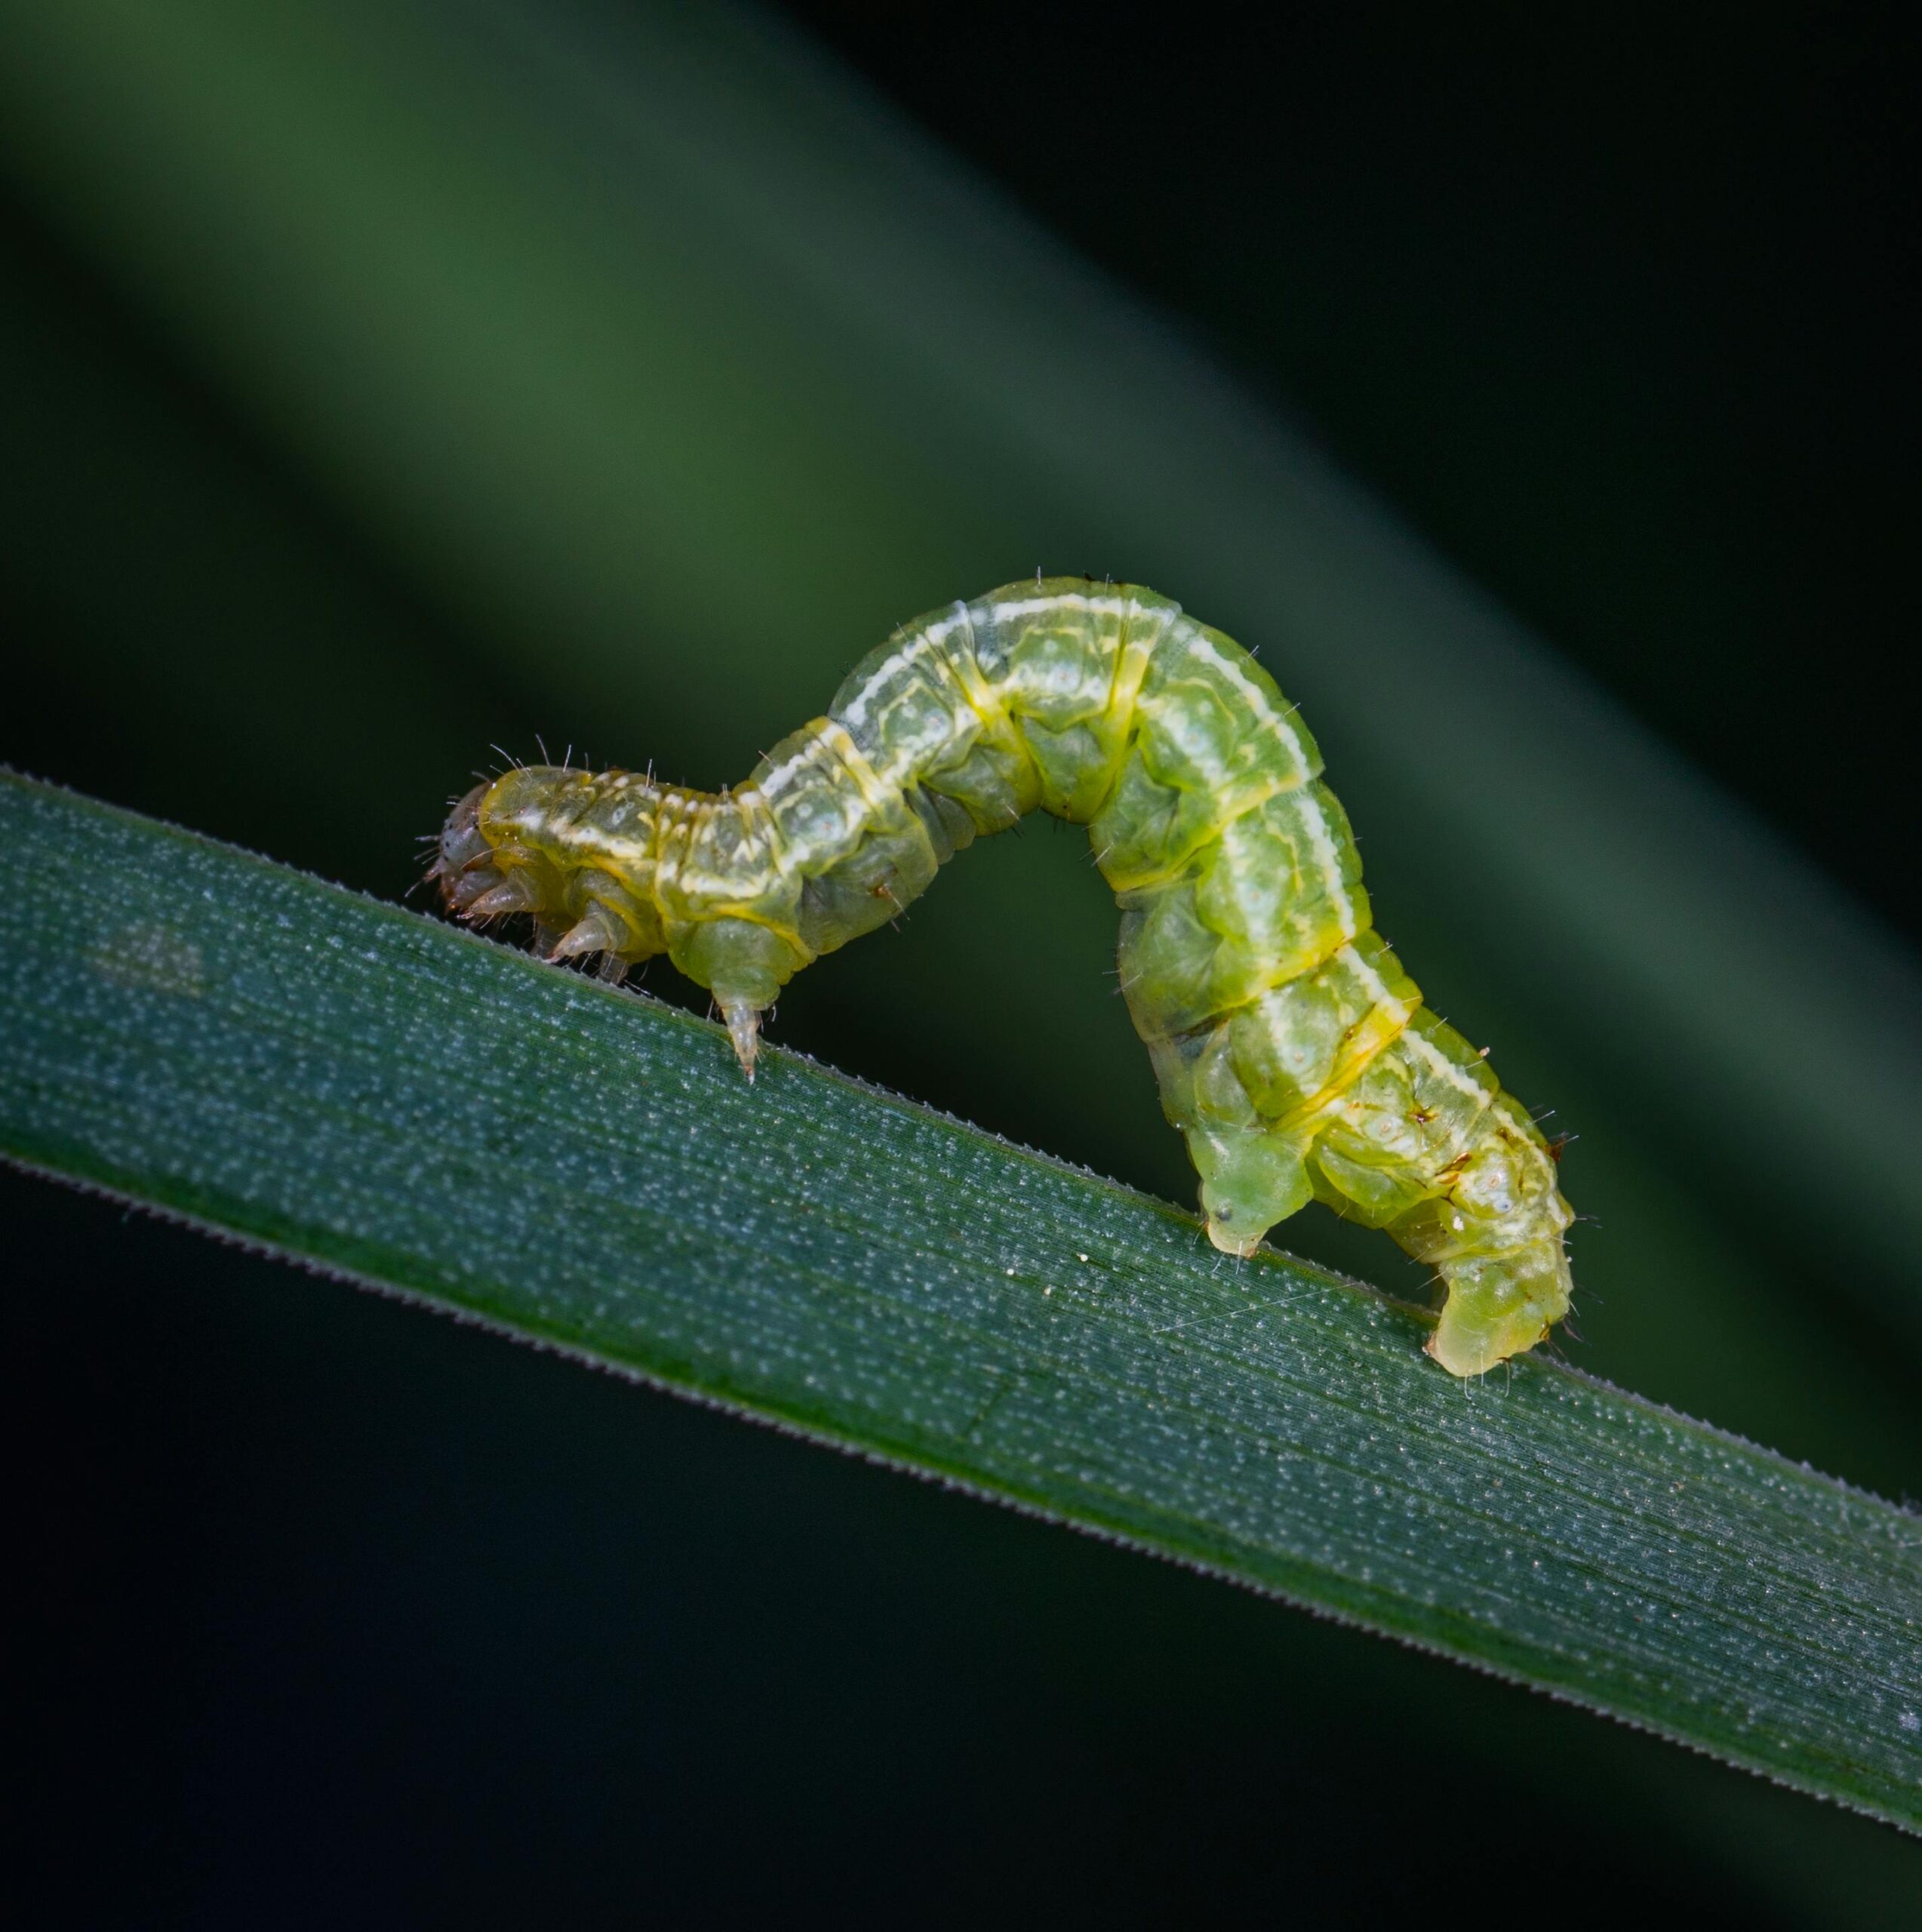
(462, 867)
(491, 860)
(512, 845)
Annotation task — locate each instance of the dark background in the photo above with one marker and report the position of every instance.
(328, 1611)
(1617, 303)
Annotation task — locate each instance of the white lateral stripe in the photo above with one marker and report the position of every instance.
(810, 753)
(1328, 856)
(913, 647)
(1256, 698)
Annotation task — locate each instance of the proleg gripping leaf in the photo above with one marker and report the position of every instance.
(1292, 1051)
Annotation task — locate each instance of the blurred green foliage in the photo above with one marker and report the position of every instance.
(393, 382)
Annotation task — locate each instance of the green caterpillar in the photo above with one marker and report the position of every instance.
(1292, 1051)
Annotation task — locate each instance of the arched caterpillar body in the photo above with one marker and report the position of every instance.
(1292, 1051)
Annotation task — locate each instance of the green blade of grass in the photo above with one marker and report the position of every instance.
(380, 1096)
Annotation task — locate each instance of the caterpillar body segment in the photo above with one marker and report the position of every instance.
(1292, 1050)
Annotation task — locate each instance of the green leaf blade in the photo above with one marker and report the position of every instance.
(376, 1094)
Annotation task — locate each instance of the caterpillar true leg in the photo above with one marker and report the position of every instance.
(1292, 1051)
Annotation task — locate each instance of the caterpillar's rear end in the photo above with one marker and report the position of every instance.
(1292, 1050)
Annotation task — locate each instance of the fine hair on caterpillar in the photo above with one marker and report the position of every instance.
(1292, 1051)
